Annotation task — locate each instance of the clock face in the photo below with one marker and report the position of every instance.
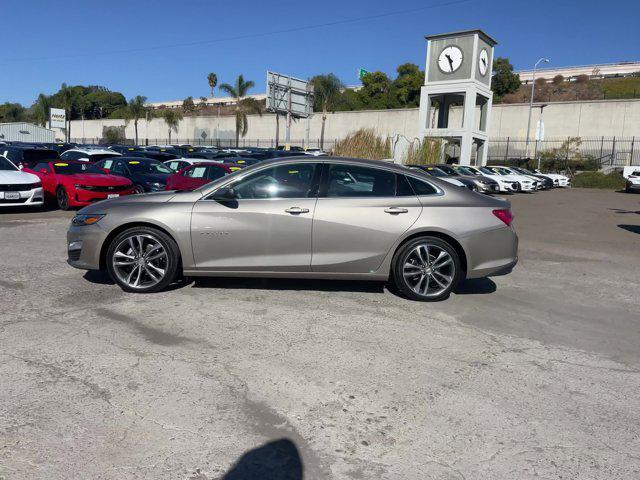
(450, 59)
(483, 62)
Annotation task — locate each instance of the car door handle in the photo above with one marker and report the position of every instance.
(296, 210)
(395, 210)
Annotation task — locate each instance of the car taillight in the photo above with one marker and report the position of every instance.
(504, 214)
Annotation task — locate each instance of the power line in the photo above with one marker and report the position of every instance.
(241, 37)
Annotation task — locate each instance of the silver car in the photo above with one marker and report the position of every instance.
(310, 217)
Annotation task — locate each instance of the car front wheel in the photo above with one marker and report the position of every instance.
(143, 260)
(426, 269)
(62, 198)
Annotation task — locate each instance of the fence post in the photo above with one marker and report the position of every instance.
(633, 140)
(506, 152)
(613, 149)
(601, 147)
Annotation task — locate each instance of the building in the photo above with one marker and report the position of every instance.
(210, 102)
(25, 132)
(603, 70)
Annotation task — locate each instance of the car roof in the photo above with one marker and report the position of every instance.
(92, 151)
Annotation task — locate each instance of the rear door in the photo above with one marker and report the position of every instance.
(360, 213)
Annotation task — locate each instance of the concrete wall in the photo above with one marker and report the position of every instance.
(620, 118)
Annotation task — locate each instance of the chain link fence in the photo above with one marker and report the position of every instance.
(221, 143)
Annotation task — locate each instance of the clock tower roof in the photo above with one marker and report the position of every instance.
(491, 41)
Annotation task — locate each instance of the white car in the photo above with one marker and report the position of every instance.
(632, 177)
(89, 154)
(525, 184)
(505, 184)
(18, 188)
(558, 180)
(179, 163)
(537, 181)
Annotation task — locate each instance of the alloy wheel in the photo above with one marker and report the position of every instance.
(428, 270)
(140, 261)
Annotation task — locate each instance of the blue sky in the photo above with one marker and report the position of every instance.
(138, 46)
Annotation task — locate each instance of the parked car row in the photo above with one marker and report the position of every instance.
(495, 178)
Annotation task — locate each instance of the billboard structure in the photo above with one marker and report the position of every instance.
(289, 96)
(57, 118)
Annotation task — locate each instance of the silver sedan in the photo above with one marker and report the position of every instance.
(324, 217)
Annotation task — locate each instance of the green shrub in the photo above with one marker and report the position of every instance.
(363, 144)
(613, 180)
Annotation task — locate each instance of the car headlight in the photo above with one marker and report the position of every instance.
(82, 220)
(35, 185)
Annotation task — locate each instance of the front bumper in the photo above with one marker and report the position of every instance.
(82, 197)
(27, 198)
(84, 246)
(632, 187)
(488, 188)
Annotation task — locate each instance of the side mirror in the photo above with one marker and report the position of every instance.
(224, 195)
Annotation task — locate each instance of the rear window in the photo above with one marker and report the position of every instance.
(101, 156)
(421, 187)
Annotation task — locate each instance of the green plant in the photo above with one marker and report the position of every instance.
(113, 135)
(172, 118)
(326, 90)
(244, 105)
(427, 152)
(363, 143)
(212, 78)
(504, 81)
(613, 180)
(135, 110)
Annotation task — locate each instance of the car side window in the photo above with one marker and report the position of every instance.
(196, 172)
(294, 180)
(70, 156)
(107, 164)
(358, 181)
(118, 167)
(41, 166)
(420, 187)
(213, 173)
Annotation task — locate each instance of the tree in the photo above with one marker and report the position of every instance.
(504, 81)
(558, 80)
(203, 103)
(408, 84)
(40, 110)
(12, 112)
(172, 118)
(187, 105)
(135, 110)
(244, 105)
(212, 78)
(326, 90)
(377, 91)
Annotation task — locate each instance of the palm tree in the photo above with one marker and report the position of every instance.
(244, 105)
(135, 110)
(326, 90)
(212, 78)
(67, 103)
(172, 118)
(41, 110)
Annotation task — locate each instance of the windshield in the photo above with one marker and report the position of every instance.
(148, 166)
(466, 171)
(6, 164)
(488, 171)
(449, 170)
(436, 172)
(63, 168)
(39, 154)
(101, 156)
(503, 171)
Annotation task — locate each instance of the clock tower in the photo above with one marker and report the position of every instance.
(455, 101)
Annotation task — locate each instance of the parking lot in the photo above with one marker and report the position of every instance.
(531, 375)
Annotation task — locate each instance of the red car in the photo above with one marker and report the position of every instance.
(197, 175)
(77, 184)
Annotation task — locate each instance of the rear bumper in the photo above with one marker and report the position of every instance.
(632, 186)
(490, 253)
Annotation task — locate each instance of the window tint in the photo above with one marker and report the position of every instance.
(41, 166)
(356, 181)
(403, 188)
(70, 156)
(283, 181)
(118, 167)
(421, 187)
(213, 173)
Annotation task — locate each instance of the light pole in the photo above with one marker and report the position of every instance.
(533, 88)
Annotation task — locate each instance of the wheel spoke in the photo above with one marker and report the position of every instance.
(131, 273)
(427, 258)
(159, 270)
(124, 263)
(157, 256)
(151, 274)
(442, 285)
(140, 261)
(153, 249)
(419, 253)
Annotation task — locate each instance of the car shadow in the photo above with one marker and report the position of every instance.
(102, 278)
(631, 228)
(475, 286)
(288, 284)
(276, 460)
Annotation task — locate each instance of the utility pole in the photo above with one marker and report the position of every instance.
(533, 87)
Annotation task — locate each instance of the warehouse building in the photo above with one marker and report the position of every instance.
(25, 132)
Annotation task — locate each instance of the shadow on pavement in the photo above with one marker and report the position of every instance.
(631, 228)
(277, 460)
(476, 286)
(289, 284)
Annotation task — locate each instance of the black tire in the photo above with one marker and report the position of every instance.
(172, 266)
(404, 256)
(138, 189)
(62, 198)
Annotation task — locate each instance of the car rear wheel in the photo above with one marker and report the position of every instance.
(143, 260)
(426, 269)
(62, 197)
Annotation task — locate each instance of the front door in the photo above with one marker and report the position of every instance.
(360, 214)
(264, 226)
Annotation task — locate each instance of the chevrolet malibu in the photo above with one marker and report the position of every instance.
(323, 217)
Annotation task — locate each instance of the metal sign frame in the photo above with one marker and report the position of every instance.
(288, 96)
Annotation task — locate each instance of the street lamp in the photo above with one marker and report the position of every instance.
(533, 87)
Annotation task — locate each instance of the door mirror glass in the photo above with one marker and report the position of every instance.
(224, 195)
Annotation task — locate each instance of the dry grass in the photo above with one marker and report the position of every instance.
(426, 152)
(364, 144)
